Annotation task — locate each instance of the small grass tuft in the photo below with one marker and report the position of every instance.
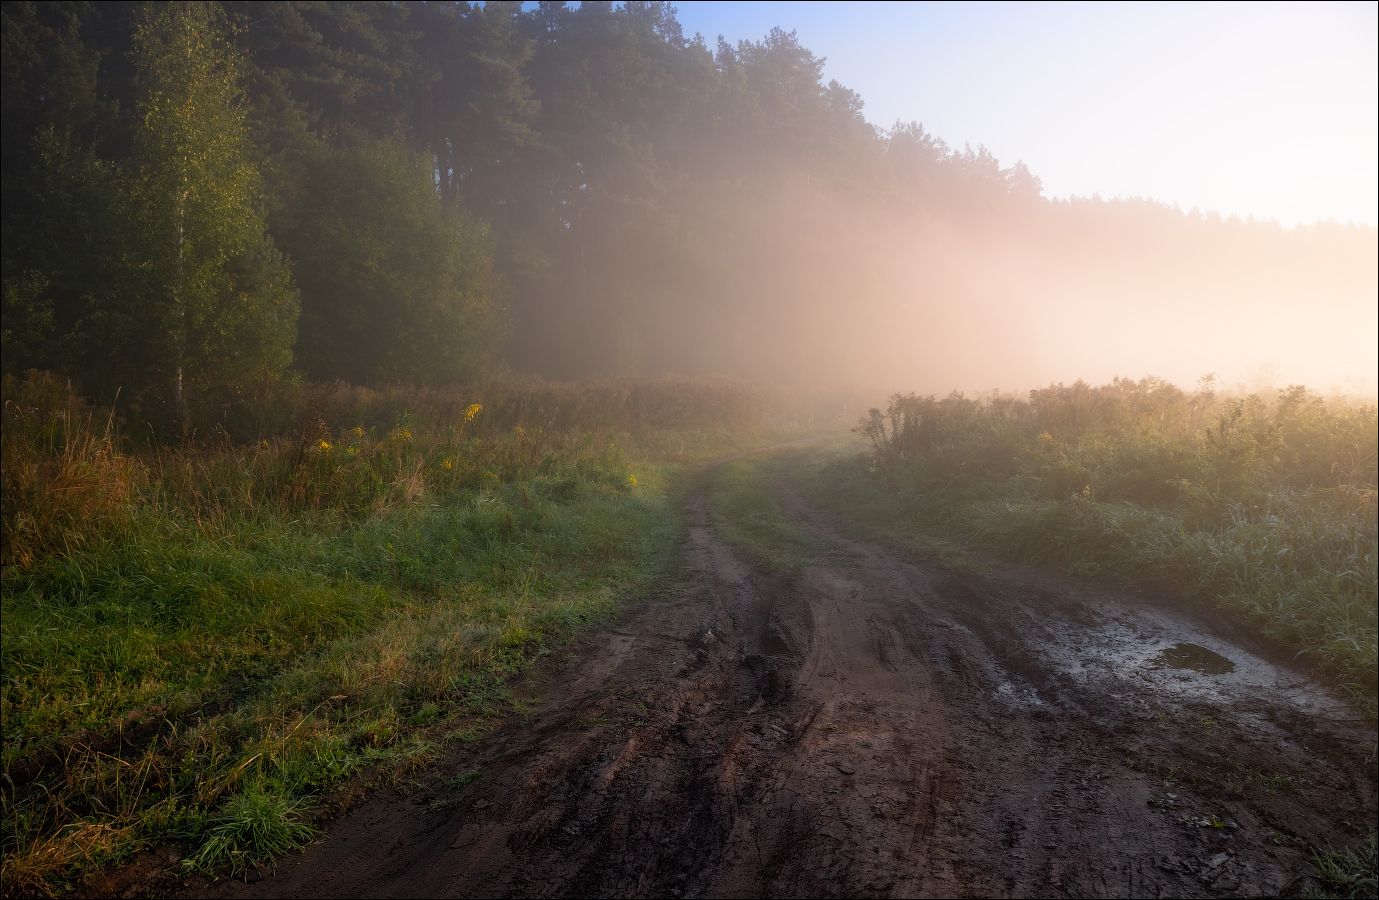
(255, 827)
(1349, 873)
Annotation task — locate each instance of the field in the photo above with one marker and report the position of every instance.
(486, 449)
(1263, 505)
(216, 647)
(200, 642)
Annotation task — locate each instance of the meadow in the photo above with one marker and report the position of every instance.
(207, 643)
(1259, 506)
(201, 641)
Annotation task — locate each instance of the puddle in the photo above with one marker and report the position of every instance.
(1194, 657)
(1018, 696)
(1158, 651)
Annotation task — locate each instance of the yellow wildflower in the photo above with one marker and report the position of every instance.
(447, 464)
(402, 434)
(631, 481)
(357, 431)
(323, 445)
(471, 411)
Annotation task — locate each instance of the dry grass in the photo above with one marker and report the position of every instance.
(64, 479)
(1262, 504)
(200, 640)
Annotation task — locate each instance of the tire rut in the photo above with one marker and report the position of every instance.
(871, 728)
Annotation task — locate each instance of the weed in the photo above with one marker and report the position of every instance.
(200, 639)
(1264, 507)
(1276, 781)
(425, 714)
(256, 826)
(462, 780)
(1352, 872)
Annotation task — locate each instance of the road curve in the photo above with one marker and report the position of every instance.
(872, 727)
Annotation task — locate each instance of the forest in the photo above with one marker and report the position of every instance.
(427, 192)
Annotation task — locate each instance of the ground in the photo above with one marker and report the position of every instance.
(865, 725)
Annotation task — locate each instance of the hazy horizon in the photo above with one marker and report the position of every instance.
(1234, 127)
(859, 194)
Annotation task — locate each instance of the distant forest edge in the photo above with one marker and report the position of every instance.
(204, 201)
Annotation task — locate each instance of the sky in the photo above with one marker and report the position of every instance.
(1253, 110)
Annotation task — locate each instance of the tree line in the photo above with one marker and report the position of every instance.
(202, 201)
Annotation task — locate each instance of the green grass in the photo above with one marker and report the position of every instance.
(172, 668)
(746, 513)
(253, 828)
(1263, 509)
(871, 509)
(1295, 573)
(1349, 873)
(201, 644)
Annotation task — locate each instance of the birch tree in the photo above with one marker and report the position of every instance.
(219, 302)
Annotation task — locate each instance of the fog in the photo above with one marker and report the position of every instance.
(799, 284)
(437, 194)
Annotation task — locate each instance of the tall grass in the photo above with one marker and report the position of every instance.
(1262, 504)
(646, 408)
(201, 640)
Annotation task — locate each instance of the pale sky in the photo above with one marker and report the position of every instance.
(1264, 110)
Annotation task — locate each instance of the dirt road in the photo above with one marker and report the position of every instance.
(872, 727)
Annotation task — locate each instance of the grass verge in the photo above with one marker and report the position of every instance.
(172, 686)
(202, 643)
(747, 515)
(1346, 874)
(1268, 513)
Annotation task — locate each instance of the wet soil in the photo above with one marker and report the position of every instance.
(873, 728)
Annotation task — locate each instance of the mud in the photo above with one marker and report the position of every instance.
(876, 728)
(1194, 657)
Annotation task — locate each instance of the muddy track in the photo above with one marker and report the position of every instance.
(876, 728)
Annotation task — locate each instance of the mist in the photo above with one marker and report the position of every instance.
(806, 285)
(509, 449)
(607, 196)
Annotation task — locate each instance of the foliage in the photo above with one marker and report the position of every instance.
(1266, 506)
(53, 297)
(395, 287)
(577, 191)
(1346, 873)
(184, 626)
(255, 827)
(210, 299)
(176, 297)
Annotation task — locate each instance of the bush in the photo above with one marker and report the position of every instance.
(1266, 506)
